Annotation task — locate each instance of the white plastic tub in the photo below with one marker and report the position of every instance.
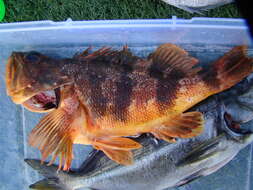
(205, 38)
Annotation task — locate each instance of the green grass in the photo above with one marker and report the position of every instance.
(30, 10)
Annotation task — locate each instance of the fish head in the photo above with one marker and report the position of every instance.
(237, 111)
(214, 153)
(237, 132)
(235, 137)
(32, 79)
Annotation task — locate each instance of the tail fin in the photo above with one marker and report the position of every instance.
(52, 180)
(229, 69)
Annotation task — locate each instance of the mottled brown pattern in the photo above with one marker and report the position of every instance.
(108, 85)
(209, 76)
(97, 100)
(145, 90)
(167, 83)
(117, 82)
(123, 96)
(48, 72)
(145, 86)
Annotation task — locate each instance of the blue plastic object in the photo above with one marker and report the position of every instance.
(205, 38)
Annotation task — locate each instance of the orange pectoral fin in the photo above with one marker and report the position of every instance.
(53, 136)
(186, 125)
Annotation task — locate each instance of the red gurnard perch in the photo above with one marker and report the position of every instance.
(100, 98)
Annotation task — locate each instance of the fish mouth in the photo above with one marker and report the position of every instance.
(43, 101)
(234, 128)
(24, 90)
(18, 85)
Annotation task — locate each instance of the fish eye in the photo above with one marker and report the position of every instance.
(232, 127)
(32, 56)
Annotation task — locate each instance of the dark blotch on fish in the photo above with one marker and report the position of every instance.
(99, 102)
(124, 88)
(166, 91)
(210, 78)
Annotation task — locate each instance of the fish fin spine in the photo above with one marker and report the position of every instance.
(53, 135)
(106, 54)
(185, 125)
(83, 54)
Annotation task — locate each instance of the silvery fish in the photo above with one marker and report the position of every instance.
(196, 6)
(102, 97)
(159, 165)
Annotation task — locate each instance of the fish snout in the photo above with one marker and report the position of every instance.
(18, 84)
(25, 83)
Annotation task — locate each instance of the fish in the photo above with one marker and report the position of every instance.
(159, 165)
(197, 6)
(104, 97)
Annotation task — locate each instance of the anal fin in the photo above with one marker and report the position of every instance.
(185, 125)
(117, 148)
(118, 143)
(124, 157)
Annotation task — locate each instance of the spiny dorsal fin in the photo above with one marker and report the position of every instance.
(82, 54)
(53, 136)
(104, 51)
(169, 56)
(106, 54)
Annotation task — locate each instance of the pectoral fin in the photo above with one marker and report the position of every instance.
(186, 125)
(53, 136)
